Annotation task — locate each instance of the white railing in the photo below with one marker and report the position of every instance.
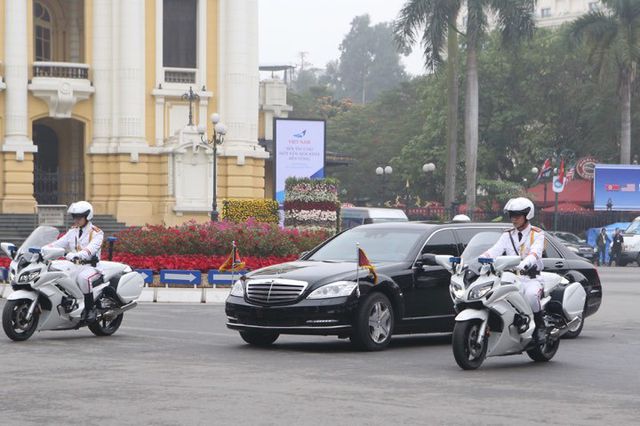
(61, 70)
(180, 75)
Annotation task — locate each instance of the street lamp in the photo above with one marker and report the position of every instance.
(428, 169)
(383, 172)
(219, 130)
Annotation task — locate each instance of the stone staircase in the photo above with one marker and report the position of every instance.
(15, 228)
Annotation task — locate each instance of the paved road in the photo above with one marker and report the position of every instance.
(178, 364)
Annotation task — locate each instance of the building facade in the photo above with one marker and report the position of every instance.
(553, 13)
(93, 105)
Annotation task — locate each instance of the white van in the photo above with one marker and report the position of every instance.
(631, 245)
(353, 216)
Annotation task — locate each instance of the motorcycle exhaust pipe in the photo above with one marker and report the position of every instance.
(559, 332)
(115, 312)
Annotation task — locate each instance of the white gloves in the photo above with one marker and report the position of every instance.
(72, 255)
(525, 264)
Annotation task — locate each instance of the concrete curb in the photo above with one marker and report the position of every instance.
(166, 295)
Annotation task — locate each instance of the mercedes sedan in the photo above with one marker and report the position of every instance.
(325, 293)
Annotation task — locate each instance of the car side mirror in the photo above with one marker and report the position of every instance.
(50, 253)
(428, 259)
(9, 249)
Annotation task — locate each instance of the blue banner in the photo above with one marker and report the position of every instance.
(147, 274)
(222, 278)
(176, 276)
(616, 187)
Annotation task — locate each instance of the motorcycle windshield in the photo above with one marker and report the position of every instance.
(40, 237)
(479, 244)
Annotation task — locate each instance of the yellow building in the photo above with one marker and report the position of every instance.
(92, 106)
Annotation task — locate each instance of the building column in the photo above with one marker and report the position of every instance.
(130, 75)
(238, 91)
(16, 75)
(102, 72)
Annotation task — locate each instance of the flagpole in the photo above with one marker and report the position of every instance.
(233, 262)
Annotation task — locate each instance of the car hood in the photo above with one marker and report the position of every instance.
(319, 273)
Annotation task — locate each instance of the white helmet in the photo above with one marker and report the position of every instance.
(461, 218)
(519, 206)
(81, 208)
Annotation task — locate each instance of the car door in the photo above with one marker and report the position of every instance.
(552, 260)
(430, 296)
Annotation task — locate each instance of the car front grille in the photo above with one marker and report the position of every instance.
(274, 291)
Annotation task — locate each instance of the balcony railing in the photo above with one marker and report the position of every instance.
(180, 75)
(61, 70)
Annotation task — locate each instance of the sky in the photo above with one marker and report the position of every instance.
(288, 27)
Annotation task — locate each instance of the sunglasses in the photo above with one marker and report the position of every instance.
(77, 216)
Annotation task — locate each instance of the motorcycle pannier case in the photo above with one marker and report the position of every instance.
(567, 299)
(130, 286)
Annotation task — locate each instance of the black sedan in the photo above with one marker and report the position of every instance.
(324, 293)
(575, 244)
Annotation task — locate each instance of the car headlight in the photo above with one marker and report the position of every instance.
(480, 291)
(337, 289)
(28, 276)
(237, 289)
(457, 291)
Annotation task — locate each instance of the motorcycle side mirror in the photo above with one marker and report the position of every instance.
(50, 253)
(9, 249)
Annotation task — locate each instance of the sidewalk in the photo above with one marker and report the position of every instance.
(165, 295)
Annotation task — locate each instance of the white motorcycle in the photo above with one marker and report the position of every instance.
(493, 318)
(46, 296)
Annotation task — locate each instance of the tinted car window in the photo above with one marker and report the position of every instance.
(465, 234)
(380, 245)
(550, 250)
(441, 242)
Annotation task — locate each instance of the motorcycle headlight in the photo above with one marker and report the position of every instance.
(28, 276)
(337, 289)
(480, 291)
(237, 289)
(457, 291)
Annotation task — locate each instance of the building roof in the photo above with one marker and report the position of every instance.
(577, 191)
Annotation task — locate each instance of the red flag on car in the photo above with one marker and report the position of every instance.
(364, 262)
(233, 262)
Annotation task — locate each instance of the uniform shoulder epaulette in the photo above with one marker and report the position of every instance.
(536, 229)
(95, 228)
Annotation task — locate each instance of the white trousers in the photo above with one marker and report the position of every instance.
(86, 276)
(531, 289)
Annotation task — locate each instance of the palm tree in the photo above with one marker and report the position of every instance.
(613, 37)
(437, 21)
(514, 19)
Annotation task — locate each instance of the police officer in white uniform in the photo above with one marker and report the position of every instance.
(527, 242)
(82, 243)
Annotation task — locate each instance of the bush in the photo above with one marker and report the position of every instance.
(215, 238)
(311, 203)
(240, 211)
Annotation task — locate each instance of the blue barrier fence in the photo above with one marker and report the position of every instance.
(173, 277)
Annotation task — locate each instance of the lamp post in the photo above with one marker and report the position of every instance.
(383, 172)
(219, 130)
(428, 169)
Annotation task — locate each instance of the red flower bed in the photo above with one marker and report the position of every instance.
(193, 261)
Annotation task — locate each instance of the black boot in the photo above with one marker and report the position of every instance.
(89, 314)
(540, 333)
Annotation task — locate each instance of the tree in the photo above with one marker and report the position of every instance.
(514, 20)
(369, 63)
(613, 37)
(437, 21)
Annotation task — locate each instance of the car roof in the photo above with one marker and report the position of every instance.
(425, 225)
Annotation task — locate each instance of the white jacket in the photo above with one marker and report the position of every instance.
(85, 245)
(530, 247)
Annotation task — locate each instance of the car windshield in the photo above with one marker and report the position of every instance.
(380, 245)
(480, 243)
(40, 237)
(634, 228)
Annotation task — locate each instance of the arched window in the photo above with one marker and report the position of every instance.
(43, 31)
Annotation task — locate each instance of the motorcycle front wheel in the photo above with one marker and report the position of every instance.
(106, 327)
(14, 320)
(468, 353)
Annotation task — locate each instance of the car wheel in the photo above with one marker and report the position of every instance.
(259, 338)
(374, 322)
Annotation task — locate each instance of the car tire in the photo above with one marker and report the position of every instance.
(259, 338)
(373, 325)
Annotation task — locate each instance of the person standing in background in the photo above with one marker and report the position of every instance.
(616, 247)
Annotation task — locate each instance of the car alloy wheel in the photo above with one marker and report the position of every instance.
(379, 322)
